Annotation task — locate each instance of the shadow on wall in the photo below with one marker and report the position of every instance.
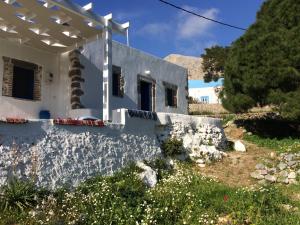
(92, 86)
(93, 89)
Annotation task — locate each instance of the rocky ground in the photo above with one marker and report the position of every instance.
(284, 169)
(255, 166)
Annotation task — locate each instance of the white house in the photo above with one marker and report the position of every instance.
(59, 57)
(206, 93)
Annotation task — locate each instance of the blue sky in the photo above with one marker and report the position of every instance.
(161, 30)
(201, 83)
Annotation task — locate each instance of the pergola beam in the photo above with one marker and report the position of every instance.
(89, 15)
(45, 22)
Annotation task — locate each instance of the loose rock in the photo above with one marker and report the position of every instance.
(239, 146)
(282, 166)
(148, 176)
(260, 166)
(292, 175)
(271, 178)
(257, 175)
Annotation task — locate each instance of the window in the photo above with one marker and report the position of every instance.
(170, 94)
(21, 79)
(117, 82)
(204, 99)
(23, 83)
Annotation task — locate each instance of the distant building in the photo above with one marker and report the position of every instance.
(207, 93)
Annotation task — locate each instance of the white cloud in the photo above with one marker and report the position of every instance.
(190, 26)
(157, 30)
(188, 34)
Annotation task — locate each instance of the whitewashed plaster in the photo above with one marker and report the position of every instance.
(134, 62)
(58, 155)
(56, 94)
(13, 107)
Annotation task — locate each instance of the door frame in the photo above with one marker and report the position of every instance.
(152, 82)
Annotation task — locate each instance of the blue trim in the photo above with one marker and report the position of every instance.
(202, 84)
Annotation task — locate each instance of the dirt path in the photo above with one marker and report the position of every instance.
(235, 169)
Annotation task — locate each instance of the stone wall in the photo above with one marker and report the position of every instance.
(59, 155)
(56, 155)
(207, 109)
(194, 131)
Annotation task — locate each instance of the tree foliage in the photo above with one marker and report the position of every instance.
(214, 62)
(263, 66)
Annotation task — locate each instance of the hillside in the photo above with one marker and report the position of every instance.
(193, 64)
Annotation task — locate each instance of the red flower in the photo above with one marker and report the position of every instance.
(226, 198)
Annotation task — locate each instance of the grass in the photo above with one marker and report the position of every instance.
(181, 197)
(280, 145)
(227, 118)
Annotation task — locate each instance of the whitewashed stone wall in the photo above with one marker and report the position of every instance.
(58, 155)
(194, 131)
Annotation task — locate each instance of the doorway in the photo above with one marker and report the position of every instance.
(146, 93)
(146, 96)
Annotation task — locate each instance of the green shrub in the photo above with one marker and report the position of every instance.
(172, 147)
(18, 195)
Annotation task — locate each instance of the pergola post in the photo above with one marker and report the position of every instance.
(107, 70)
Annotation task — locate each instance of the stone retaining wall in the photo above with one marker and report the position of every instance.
(60, 155)
(56, 155)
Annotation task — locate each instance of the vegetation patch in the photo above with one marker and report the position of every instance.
(280, 145)
(172, 147)
(185, 197)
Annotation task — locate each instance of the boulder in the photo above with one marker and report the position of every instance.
(260, 166)
(200, 161)
(201, 165)
(273, 155)
(281, 166)
(148, 176)
(292, 163)
(263, 172)
(170, 163)
(292, 175)
(284, 174)
(239, 146)
(271, 178)
(272, 170)
(289, 157)
(256, 175)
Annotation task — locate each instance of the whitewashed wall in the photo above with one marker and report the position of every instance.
(12, 107)
(57, 155)
(56, 94)
(67, 155)
(134, 62)
(92, 59)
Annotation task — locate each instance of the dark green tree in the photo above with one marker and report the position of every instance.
(214, 62)
(263, 66)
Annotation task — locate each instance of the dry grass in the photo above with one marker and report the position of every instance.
(235, 169)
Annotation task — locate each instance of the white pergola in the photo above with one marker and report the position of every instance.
(53, 25)
(59, 26)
